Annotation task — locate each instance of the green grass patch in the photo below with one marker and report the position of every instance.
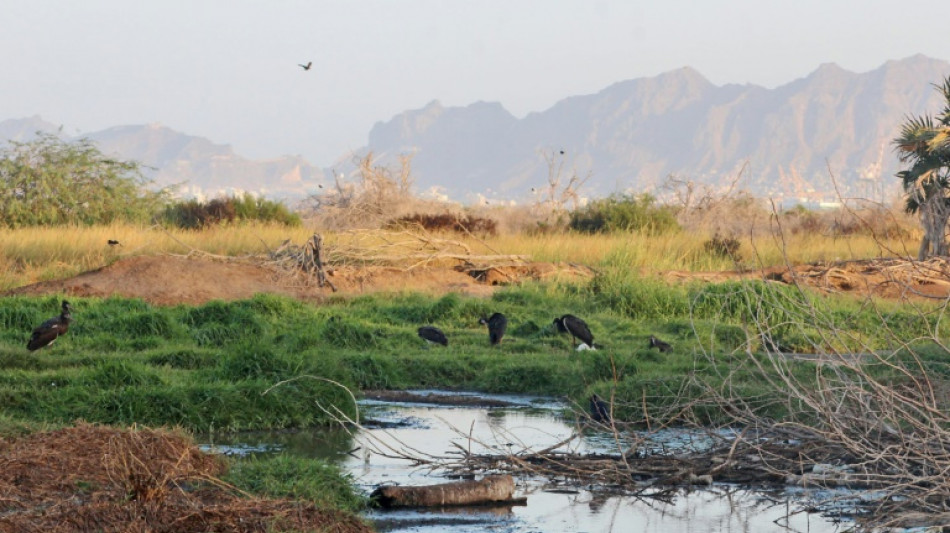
(296, 478)
(125, 361)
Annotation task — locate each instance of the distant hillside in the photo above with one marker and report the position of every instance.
(201, 166)
(629, 136)
(24, 129)
(635, 133)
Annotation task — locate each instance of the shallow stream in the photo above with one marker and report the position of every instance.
(423, 430)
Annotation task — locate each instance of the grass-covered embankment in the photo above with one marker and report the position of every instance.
(208, 367)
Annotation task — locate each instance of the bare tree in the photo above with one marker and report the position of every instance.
(562, 188)
(377, 193)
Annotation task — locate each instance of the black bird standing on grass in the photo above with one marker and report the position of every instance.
(599, 410)
(433, 335)
(497, 324)
(577, 328)
(113, 243)
(46, 333)
(657, 343)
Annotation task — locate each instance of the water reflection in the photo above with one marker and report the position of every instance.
(437, 433)
(324, 443)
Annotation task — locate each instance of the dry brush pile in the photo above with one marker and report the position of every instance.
(95, 478)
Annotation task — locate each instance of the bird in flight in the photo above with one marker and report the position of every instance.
(307, 66)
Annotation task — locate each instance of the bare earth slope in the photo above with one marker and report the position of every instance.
(884, 277)
(170, 280)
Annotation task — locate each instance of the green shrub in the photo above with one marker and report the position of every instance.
(724, 247)
(624, 212)
(447, 222)
(195, 214)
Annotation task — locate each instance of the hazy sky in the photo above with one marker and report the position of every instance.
(227, 69)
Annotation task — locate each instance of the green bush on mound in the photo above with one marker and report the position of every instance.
(624, 212)
(197, 214)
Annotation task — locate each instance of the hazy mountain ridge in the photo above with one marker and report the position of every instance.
(203, 168)
(635, 133)
(630, 136)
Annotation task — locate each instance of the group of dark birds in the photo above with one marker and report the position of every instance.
(47, 333)
(497, 325)
(578, 329)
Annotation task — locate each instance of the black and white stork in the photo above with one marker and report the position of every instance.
(46, 333)
(578, 330)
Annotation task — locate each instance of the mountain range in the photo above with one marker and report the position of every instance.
(788, 141)
(198, 166)
(785, 142)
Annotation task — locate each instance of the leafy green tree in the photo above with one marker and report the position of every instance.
(924, 143)
(50, 181)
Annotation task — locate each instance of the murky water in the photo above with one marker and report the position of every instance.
(437, 433)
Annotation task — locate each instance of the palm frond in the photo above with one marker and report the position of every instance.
(940, 143)
(945, 92)
(916, 133)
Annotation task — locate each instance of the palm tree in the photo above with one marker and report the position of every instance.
(924, 143)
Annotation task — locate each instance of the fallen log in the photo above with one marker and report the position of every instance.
(489, 490)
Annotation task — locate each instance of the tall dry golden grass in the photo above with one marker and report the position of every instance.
(35, 254)
(686, 250)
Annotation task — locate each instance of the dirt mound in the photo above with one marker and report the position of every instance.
(886, 278)
(170, 280)
(94, 478)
